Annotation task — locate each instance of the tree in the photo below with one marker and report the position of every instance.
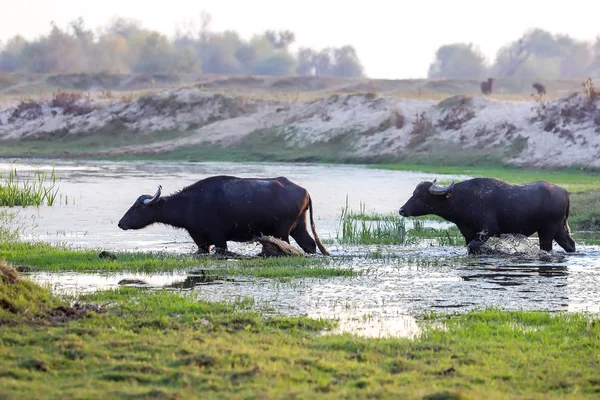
(306, 62)
(218, 53)
(156, 55)
(540, 54)
(124, 46)
(594, 67)
(280, 40)
(279, 64)
(343, 62)
(9, 56)
(458, 61)
(111, 54)
(347, 63)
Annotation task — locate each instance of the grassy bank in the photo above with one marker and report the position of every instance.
(575, 180)
(45, 257)
(159, 344)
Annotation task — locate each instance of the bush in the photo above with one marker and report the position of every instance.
(72, 103)
(26, 109)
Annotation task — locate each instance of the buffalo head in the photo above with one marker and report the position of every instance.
(426, 199)
(142, 213)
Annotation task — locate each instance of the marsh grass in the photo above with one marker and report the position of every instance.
(162, 344)
(7, 232)
(46, 257)
(284, 267)
(445, 237)
(361, 227)
(39, 189)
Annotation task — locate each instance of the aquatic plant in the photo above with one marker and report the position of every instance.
(445, 237)
(40, 189)
(7, 231)
(361, 228)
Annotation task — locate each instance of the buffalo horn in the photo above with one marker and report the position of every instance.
(155, 198)
(440, 190)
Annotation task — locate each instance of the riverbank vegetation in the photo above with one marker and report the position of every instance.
(133, 342)
(41, 188)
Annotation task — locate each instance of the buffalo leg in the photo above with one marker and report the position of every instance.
(475, 242)
(301, 236)
(202, 243)
(546, 238)
(203, 249)
(220, 246)
(474, 246)
(564, 240)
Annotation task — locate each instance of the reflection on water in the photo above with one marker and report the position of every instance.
(383, 299)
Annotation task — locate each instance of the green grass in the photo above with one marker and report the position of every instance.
(575, 180)
(38, 190)
(585, 211)
(362, 227)
(46, 257)
(445, 236)
(160, 344)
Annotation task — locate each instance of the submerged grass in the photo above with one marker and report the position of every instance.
(161, 344)
(40, 189)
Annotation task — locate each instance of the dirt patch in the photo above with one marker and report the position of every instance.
(76, 311)
(8, 274)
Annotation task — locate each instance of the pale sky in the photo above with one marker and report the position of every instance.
(394, 39)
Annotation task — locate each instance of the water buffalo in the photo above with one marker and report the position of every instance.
(486, 207)
(541, 89)
(486, 86)
(221, 208)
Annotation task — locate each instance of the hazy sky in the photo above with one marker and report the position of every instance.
(394, 38)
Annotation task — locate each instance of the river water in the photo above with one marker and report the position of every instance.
(382, 300)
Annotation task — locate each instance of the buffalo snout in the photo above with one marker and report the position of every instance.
(402, 212)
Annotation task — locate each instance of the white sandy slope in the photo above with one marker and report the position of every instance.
(367, 122)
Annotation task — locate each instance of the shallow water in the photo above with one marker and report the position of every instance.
(383, 300)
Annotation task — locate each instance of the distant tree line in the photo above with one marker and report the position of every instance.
(124, 46)
(537, 54)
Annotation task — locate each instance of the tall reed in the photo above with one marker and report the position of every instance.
(41, 188)
(363, 228)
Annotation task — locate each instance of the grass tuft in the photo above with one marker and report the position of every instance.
(40, 189)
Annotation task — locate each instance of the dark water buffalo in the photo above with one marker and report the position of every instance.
(485, 207)
(486, 86)
(221, 208)
(541, 89)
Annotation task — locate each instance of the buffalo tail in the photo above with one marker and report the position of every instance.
(314, 230)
